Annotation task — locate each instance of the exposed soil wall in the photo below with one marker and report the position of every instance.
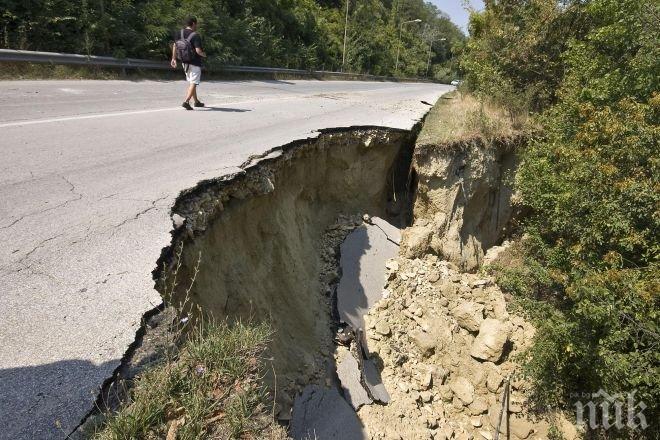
(463, 199)
(256, 236)
(256, 242)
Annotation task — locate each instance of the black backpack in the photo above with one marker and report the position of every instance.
(184, 48)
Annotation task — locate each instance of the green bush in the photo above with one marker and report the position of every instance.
(515, 54)
(591, 278)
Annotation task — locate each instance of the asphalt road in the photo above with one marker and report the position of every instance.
(89, 171)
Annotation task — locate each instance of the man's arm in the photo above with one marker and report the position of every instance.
(197, 43)
(173, 62)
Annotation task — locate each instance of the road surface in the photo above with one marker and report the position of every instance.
(88, 174)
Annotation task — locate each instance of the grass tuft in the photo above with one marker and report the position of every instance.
(211, 388)
(460, 117)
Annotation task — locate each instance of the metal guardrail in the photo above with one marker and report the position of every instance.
(28, 56)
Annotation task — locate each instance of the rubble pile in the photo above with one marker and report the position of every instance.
(445, 342)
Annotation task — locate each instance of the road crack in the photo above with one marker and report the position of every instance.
(72, 190)
(34, 249)
(138, 214)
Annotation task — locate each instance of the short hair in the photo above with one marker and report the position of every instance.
(189, 21)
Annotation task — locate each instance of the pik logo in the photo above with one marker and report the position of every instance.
(607, 411)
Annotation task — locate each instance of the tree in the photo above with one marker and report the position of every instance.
(289, 33)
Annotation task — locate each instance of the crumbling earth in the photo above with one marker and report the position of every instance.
(447, 356)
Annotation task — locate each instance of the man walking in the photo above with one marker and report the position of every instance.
(188, 49)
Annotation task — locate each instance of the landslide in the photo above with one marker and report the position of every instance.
(252, 241)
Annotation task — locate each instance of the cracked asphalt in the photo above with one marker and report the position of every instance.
(90, 170)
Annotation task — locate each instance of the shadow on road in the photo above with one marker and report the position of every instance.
(48, 401)
(225, 109)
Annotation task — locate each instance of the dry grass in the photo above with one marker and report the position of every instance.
(211, 389)
(208, 384)
(460, 117)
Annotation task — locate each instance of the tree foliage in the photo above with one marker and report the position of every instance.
(283, 33)
(592, 181)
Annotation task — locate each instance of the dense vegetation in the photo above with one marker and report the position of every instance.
(589, 69)
(283, 33)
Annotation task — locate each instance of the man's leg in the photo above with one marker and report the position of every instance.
(191, 93)
(197, 76)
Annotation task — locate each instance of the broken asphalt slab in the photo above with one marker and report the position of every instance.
(350, 376)
(374, 382)
(363, 257)
(320, 413)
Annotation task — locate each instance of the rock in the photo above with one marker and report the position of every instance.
(567, 429)
(426, 396)
(415, 241)
(494, 417)
(448, 290)
(486, 435)
(457, 403)
(494, 381)
(517, 382)
(425, 342)
(478, 406)
(434, 339)
(392, 265)
(489, 343)
(178, 221)
(515, 406)
(464, 436)
(469, 315)
(383, 328)
(478, 378)
(438, 374)
(433, 276)
(520, 427)
(445, 433)
(494, 252)
(499, 308)
(475, 421)
(426, 380)
(463, 389)
(466, 292)
(446, 394)
(479, 283)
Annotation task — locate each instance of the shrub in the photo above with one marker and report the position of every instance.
(592, 183)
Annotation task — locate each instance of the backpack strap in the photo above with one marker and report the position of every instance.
(182, 34)
(190, 37)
